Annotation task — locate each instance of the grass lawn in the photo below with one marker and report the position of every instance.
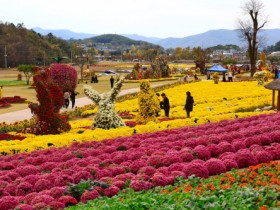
(26, 91)
(12, 87)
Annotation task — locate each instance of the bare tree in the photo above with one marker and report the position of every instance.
(250, 28)
(81, 61)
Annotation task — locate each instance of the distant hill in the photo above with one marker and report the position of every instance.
(153, 40)
(272, 36)
(118, 41)
(63, 33)
(216, 37)
(206, 39)
(24, 46)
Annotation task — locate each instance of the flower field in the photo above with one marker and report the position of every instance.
(211, 99)
(153, 165)
(241, 101)
(256, 187)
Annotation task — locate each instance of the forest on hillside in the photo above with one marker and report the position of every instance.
(118, 41)
(19, 45)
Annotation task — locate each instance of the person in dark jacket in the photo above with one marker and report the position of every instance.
(165, 104)
(73, 98)
(112, 81)
(189, 104)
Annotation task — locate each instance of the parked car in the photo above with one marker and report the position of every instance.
(109, 72)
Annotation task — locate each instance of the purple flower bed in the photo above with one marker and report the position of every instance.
(39, 179)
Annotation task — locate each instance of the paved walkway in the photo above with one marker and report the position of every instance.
(80, 102)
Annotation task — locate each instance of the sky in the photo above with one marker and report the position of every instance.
(153, 18)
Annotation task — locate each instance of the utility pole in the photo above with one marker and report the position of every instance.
(5, 56)
(44, 58)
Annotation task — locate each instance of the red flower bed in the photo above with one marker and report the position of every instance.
(130, 123)
(6, 136)
(142, 161)
(126, 115)
(15, 99)
(4, 103)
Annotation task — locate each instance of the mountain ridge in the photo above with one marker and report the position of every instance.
(206, 39)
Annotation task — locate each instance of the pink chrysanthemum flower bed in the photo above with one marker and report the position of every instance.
(39, 179)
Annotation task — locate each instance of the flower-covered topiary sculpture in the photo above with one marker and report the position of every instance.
(106, 116)
(64, 76)
(262, 76)
(50, 97)
(148, 103)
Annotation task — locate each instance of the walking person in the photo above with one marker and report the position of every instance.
(66, 99)
(230, 76)
(73, 98)
(189, 104)
(276, 72)
(95, 79)
(165, 104)
(112, 81)
(208, 75)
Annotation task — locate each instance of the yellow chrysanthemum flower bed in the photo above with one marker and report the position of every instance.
(152, 80)
(213, 103)
(210, 98)
(88, 112)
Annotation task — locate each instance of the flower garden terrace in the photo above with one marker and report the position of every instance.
(255, 187)
(213, 103)
(148, 158)
(140, 162)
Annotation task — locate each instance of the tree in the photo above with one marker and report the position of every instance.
(151, 54)
(58, 59)
(178, 53)
(273, 48)
(81, 61)
(78, 53)
(23, 46)
(27, 70)
(160, 68)
(277, 46)
(273, 59)
(250, 28)
(200, 56)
